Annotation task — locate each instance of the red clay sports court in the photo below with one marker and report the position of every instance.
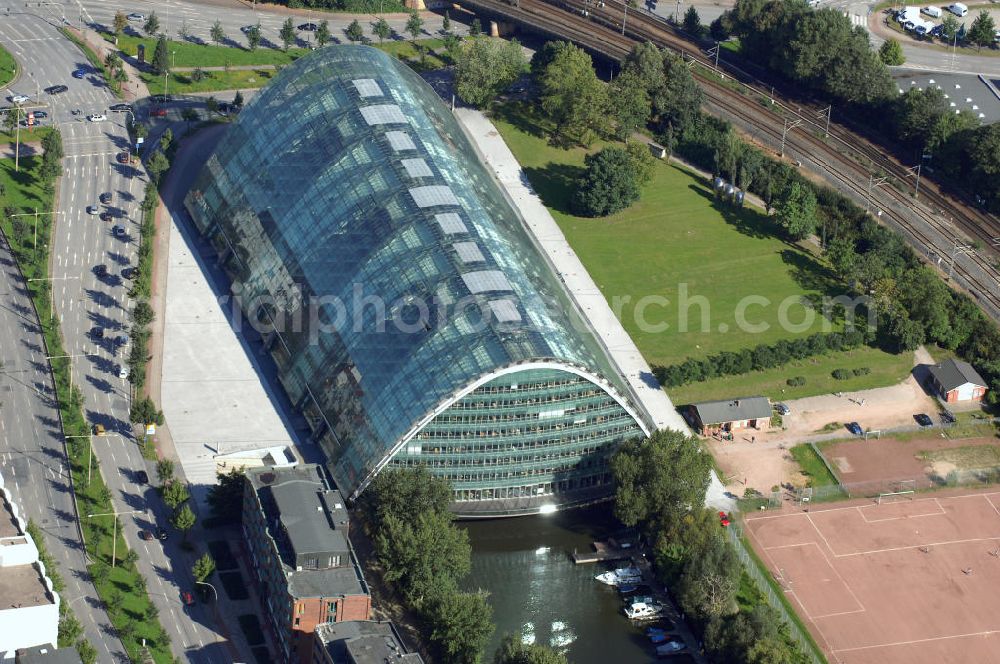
(914, 581)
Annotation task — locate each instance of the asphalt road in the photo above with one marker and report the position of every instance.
(32, 457)
(198, 18)
(82, 300)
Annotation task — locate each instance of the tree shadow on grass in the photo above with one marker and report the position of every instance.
(522, 117)
(810, 274)
(747, 221)
(555, 184)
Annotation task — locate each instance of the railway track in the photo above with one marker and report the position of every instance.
(844, 158)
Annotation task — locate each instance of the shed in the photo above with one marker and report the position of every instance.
(710, 417)
(956, 380)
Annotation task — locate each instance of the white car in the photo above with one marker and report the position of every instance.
(93, 209)
(19, 99)
(136, 16)
(97, 117)
(122, 371)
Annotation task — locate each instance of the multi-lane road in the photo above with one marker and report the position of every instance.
(83, 300)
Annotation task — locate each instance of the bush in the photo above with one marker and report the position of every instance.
(796, 381)
(841, 374)
(861, 371)
(611, 183)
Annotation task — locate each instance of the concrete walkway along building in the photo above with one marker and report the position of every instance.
(412, 318)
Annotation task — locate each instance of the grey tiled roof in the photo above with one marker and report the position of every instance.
(951, 374)
(741, 408)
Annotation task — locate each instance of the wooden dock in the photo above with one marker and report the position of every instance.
(603, 551)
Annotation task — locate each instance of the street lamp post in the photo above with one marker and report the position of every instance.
(61, 357)
(34, 243)
(114, 529)
(215, 593)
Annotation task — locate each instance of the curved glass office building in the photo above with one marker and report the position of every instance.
(412, 318)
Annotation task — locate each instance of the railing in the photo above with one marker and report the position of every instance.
(753, 570)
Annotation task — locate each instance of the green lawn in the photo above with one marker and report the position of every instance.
(408, 53)
(677, 238)
(238, 79)
(186, 54)
(26, 136)
(886, 369)
(812, 466)
(8, 67)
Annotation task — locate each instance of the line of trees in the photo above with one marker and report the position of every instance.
(823, 54)
(661, 485)
(353, 6)
(761, 357)
(424, 555)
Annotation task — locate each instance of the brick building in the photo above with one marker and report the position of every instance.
(709, 417)
(360, 642)
(955, 380)
(296, 529)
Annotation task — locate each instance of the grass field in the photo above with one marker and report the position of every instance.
(8, 68)
(234, 79)
(965, 458)
(678, 237)
(812, 466)
(187, 54)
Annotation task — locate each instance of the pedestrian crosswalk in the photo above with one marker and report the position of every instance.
(858, 20)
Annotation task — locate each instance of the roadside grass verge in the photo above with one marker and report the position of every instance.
(182, 82)
(187, 54)
(33, 136)
(122, 588)
(94, 59)
(812, 466)
(8, 67)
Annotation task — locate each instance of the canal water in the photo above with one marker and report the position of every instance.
(537, 592)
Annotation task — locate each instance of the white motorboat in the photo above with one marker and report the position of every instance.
(643, 611)
(620, 576)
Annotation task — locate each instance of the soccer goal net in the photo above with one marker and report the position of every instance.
(902, 490)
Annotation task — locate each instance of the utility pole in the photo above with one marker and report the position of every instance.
(114, 529)
(958, 248)
(625, 16)
(915, 170)
(872, 183)
(789, 125)
(826, 112)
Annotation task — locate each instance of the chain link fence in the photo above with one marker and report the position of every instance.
(753, 570)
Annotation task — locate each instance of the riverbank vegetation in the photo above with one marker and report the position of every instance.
(661, 485)
(422, 554)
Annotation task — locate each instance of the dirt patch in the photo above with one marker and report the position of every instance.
(965, 457)
(749, 466)
(843, 465)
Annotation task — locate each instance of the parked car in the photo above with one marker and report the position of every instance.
(924, 420)
(118, 231)
(106, 197)
(947, 417)
(247, 28)
(142, 477)
(93, 209)
(723, 519)
(18, 99)
(79, 73)
(855, 428)
(145, 535)
(309, 27)
(187, 598)
(97, 117)
(782, 409)
(136, 16)
(101, 270)
(40, 114)
(56, 89)
(160, 99)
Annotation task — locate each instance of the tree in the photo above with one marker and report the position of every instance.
(486, 67)
(121, 21)
(189, 115)
(632, 107)
(225, 498)
(323, 33)
(659, 479)
(610, 183)
(983, 30)
(152, 25)
(414, 24)
(131, 557)
(423, 556)
(513, 651)
(203, 568)
(461, 626)
(238, 99)
(164, 470)
(184, 520)
(446, 24)
(949, 28)
(212, 105)
(175, 494)
(253, 37)
(645, 61)
(692, 22)
(381, 29)
(143, 314)
(161, 57)
(753, 636)
(217, 33)
(891, 53)
(70, 630)
(287, 33)
(707, 588)
(407, 493)
(721, 28)
(475, 28)
(87, 652)
(157, 165)
(572, 96)
(183, 32)
(354, 31)
(677, 102)
(53, 153)
(144, 411)
(140, 130)
(795, 210)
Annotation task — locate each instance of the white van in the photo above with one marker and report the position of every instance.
(958, 9)
(932, 11)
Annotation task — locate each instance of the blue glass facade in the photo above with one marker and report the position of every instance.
(356, 219)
